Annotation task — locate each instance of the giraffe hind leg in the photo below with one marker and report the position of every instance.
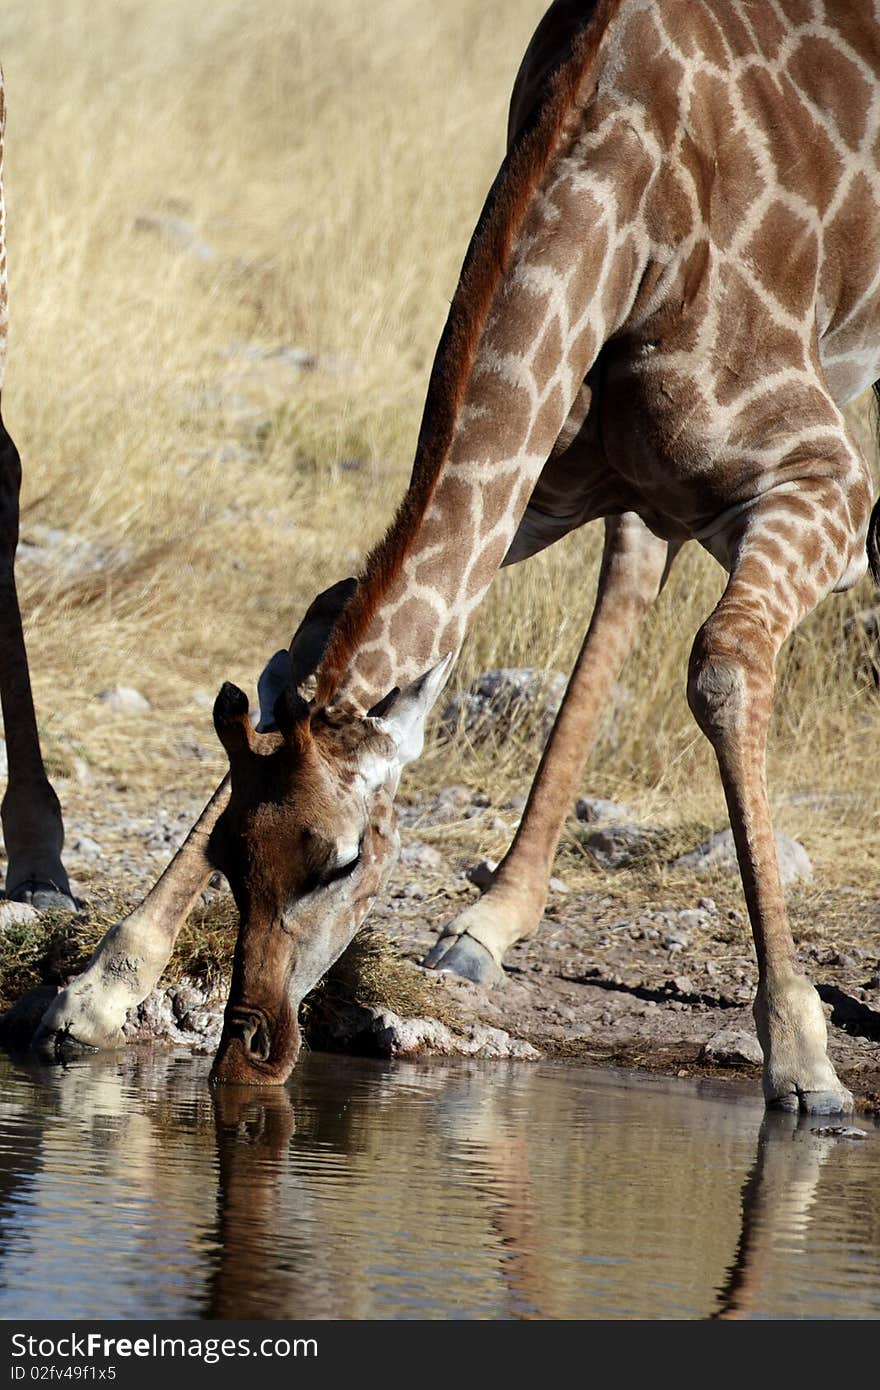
(793, 550)
(634, 566)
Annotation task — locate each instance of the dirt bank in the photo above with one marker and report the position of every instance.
(646, 966)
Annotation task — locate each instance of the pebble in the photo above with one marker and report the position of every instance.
(124, 698)
(86, 847)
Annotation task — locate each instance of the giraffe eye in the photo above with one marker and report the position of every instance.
(339, 871)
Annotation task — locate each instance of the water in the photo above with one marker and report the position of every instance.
(435, 1189)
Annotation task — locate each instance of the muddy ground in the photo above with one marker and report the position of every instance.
(646, 966)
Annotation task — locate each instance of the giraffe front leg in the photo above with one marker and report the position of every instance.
(634, 565)
(92, 1009)
(793, 550)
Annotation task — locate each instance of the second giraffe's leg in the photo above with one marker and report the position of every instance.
(634, 565)
(32, 826)
(133, 953)
(793, 550)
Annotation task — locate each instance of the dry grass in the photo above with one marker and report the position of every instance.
(334, 158)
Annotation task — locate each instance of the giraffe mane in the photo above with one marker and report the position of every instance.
(485, 264)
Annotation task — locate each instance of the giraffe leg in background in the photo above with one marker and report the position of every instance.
(794, 548)
(32, 826)
(634, 566)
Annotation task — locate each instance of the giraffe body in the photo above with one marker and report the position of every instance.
(671, 291)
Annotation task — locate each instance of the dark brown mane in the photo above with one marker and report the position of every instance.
(484, 266)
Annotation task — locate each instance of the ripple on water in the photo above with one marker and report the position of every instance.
(457, 1189)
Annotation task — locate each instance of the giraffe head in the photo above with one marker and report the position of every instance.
(306, 842)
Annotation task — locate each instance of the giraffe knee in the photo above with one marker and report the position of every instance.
(728, 661)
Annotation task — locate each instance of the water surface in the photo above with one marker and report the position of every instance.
(436, 1189)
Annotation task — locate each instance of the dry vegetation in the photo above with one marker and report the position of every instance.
(331, 160)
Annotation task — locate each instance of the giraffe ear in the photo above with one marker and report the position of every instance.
(403, 712)
(310, 640)
(289, 669)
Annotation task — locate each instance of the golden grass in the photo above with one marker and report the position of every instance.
(334, 157)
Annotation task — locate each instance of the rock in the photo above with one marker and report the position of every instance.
(690, 919)
(182, 1013)
(14, 914)
(719, 852)
(176, 231)
(708, 904)
(617, 846)
(597, 808)
(515, 803)
(499, 701)
(421, 856)
(676, 941)
(682, 984)
(124, 698)
(85, 847)
(840, 1132)
(4, 761)
(556, 885)
(732, 1047)
(482, 875)
(411, 1037)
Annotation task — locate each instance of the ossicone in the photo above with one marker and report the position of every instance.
(232, 719)
(292, 715)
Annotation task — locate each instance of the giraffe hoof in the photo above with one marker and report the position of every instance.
(466, 957)
(44, 897)
(831, 1102)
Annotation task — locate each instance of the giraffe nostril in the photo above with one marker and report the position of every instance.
(253, 1030)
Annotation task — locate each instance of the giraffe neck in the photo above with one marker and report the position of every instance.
(553, 269)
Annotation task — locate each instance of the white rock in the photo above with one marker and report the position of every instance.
(124, 698)
(85, 847)
(408, 1037)
(14, 914)
(4, 761)
(719, 852)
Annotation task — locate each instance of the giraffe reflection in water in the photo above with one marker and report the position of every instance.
(455, 1189)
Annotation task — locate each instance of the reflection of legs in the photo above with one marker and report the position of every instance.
(794, 548)
(776, 1203)
(32, 827)
(133, 954)
(633, 570)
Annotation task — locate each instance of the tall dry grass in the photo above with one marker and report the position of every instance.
(333, 159)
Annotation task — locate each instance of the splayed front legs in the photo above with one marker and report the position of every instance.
(133, 954)
(634, 566)
(32, 827)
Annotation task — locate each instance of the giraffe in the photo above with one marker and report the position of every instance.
(662, 309)
(31, 815)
